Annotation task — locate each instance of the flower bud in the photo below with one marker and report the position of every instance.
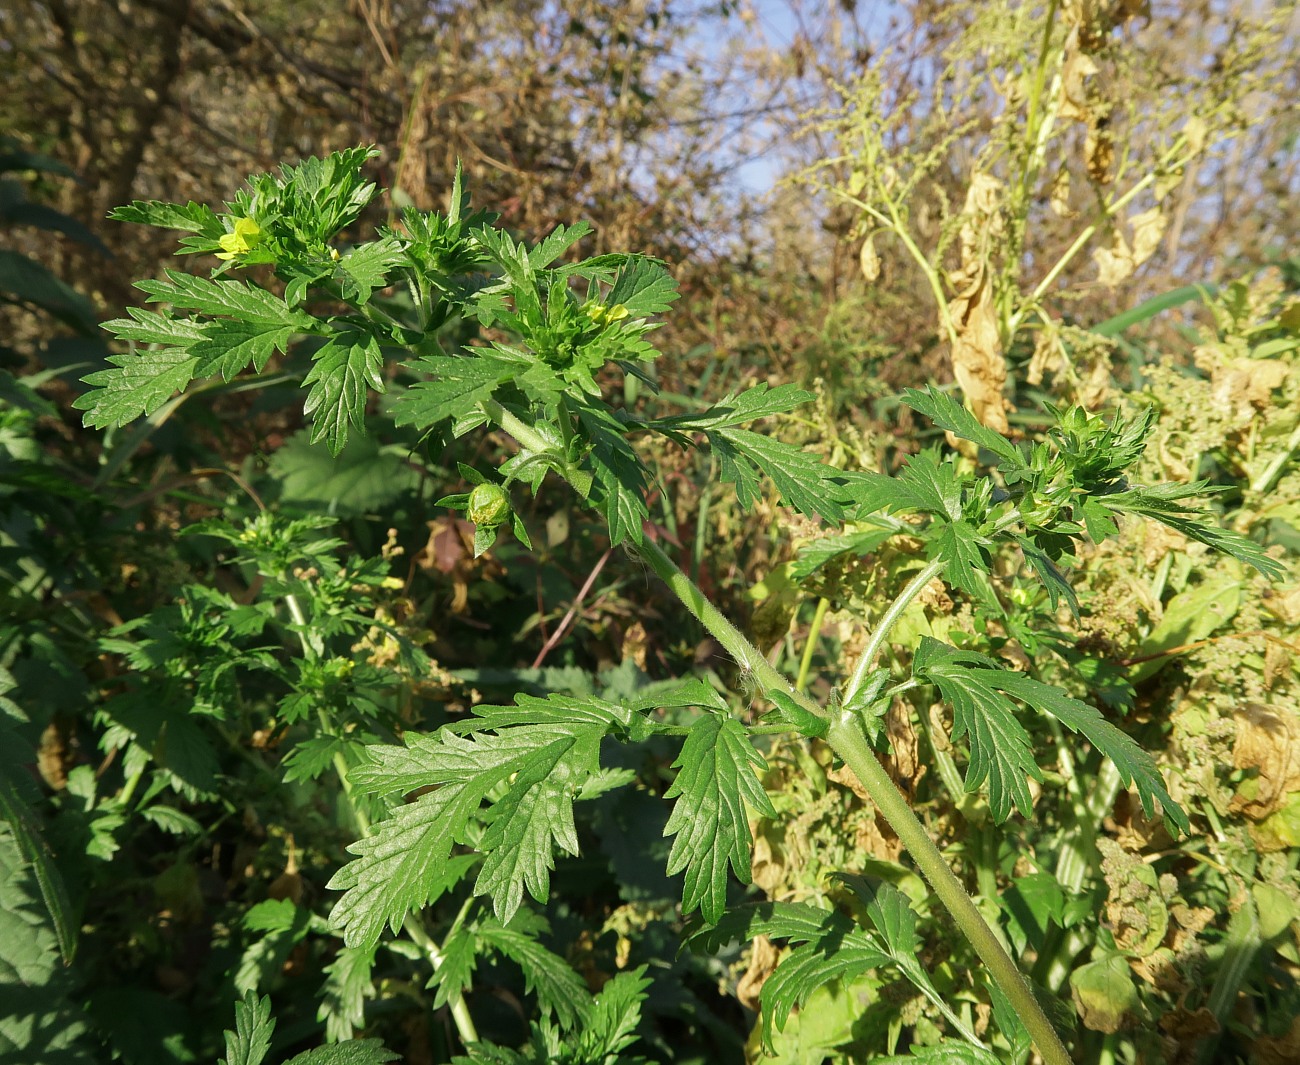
(489, 506)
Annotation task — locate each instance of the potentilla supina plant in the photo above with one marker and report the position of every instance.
(498, 789)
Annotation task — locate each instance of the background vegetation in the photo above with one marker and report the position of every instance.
(1043, 204)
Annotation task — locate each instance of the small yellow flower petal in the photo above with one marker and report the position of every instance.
(241, 240)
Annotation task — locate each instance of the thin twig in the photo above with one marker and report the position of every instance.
(564, 624)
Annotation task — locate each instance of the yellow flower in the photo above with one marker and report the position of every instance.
(246, 234)
(603, 315)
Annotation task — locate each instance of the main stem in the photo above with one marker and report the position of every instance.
(847, 740)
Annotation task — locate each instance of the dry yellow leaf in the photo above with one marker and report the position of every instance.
(1241, 387)
(869, 260)
(977, 359)
(1117, 263)
(1100, 152)
(1060, 194)
(1076, 96)
(1268, 741)
(1148, 228)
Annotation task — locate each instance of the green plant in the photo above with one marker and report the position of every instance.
(494, 794)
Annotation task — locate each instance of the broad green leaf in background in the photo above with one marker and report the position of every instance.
(1188, 617)
(25, 281)
(362, 477)
(41, 1020)
(27, 835)
(949, 1052)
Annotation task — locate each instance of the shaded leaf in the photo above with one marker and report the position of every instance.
(342, 373)
(717, 776)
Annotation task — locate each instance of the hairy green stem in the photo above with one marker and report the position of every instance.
(877, 642)
(849, 742)
(810, 644)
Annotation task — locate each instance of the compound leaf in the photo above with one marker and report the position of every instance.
(559, 989)
(950, 415)
(560, 240)
(190, 217)
(741, 408)
(226, 346)
(838, 955)
(343, 996)
(137, 384)
(251, 1039)
(832, 946)
(150, 327)
(459, 384)
(546, 748)
(962, 549)
(804, 481)
(459, 958)
(353, 1052)
(1058, 587)
(620, 476)
(534, 818)
(403, 865)
(366, 267)
(644, 286)
(614, 1016)
(717, 777)
(1136, 767)
(343, 371)
(1165, 503)
(978, 689)
(236, 299)
(1000, 750)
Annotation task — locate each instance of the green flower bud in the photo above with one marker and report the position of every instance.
(489, 506)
